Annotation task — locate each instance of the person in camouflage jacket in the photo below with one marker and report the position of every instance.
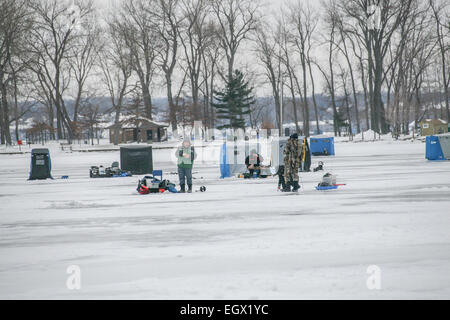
(292, 162)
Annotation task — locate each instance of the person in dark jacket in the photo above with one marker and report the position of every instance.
(306, 156)
(186, 156)
(253, 162)
(280, 174)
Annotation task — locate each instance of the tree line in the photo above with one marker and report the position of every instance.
(380, 63)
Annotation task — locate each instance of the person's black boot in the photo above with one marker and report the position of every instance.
(286, 187)
(296, 186)
(189, 188)
(182, 189)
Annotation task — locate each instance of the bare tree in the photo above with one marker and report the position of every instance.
(331, 20)
(15, 22)
(195, 31)
(52, 40)
(115, 63)
(419, 50)
(268, 54)
(343, 74)
(258, 112)
(166, 23)
(373, 25)
(443, 35)
(361, 68)
(211, 57)
(304, 23)
(236, 19)
(20, 90)
(285, 55)
(313, 89)
(397, 66)
(343, 48)
(143, 43)
(90, 119)
(82, 59)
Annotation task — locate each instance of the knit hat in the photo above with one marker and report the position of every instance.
(186, 140)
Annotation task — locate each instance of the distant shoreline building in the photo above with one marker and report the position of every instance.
(138, 129)
(430, 127)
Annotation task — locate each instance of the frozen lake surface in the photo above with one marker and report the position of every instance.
(241, 239)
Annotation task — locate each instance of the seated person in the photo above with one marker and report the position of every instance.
(253, 162)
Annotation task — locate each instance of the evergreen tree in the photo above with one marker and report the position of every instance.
(234, 101)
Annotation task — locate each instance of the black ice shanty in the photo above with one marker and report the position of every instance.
(41, 164)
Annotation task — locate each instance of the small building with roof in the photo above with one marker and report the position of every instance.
(430, 127)
(138, 129)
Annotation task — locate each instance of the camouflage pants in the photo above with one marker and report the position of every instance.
(290, 173)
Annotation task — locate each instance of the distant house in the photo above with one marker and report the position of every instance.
(139, 129)
(429, 127)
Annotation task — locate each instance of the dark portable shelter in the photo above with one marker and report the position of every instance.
(41, 164)
(136, 159)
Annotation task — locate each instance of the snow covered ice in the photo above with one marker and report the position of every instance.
(239, 239)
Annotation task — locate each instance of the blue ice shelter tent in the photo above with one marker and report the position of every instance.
(438, 147)
(322, 146)
(41, 164)
(224, 165)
